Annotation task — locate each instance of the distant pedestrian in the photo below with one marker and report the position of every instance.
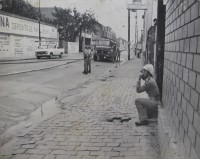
(147, 107)
(118, 54)
(85, 56)
(113, 54)
(89, 60)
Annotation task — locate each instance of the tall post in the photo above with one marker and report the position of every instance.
(128, 34)
(58, 44)
(1, 5)
(39, 25)
(136, 33)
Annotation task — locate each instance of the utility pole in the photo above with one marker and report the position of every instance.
(128, 34)
(134, 6)
(136, 33)
(39, 25)
(1, 5)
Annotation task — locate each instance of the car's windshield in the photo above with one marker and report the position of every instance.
(103, 42)
(47, 46)
(102, 47)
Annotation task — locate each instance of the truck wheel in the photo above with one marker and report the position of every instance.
(61, 55)
(95, 58)
(101, 58)
(51, 55)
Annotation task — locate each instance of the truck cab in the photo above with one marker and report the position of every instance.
(104, 50)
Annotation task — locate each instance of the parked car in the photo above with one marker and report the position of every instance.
(49, 51)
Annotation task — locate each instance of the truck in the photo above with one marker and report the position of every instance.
(104, 49)
(49, 51)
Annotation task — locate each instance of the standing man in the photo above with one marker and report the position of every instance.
(113, 55)
(115, 52)
(89, 60)
(147, 107)
(118, 55)
(85, 56)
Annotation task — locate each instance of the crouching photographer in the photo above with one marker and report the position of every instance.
(147, 107)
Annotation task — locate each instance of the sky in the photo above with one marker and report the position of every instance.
(111, 13)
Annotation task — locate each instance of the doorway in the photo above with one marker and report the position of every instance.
(160, 45)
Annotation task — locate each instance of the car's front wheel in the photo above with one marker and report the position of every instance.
(61, 55)
(51, 55)
(95, 58)
(38, 57)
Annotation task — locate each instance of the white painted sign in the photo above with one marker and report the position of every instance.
(73, 47)
(137, 6)
(4, 45)
(12, 25)
(18, 45)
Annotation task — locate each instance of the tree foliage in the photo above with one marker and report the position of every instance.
(20, 7)
(23, 8)
(72, 23)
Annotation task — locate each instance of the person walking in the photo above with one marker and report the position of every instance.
(115, 52)
(85, 56)
(89, 60)
(113, 55)
(118, 55)
(147, 107)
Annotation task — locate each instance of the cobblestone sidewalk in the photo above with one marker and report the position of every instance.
(99, 127)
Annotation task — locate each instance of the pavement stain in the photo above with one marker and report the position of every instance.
(78, 127)
(120, 119)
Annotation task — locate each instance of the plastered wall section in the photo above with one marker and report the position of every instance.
(181, 79)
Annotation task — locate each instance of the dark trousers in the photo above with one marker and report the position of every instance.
(89, 64)
(85, 65)
(146, 108)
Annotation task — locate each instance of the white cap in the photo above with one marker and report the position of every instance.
(149, 68)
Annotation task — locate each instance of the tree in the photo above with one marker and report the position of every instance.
(64, 21)
(88, 21)
(20, 7)
(72, 23)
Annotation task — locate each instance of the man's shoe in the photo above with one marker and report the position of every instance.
(140, 123)
(84, 72)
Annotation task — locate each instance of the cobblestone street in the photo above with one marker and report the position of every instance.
(98, 127)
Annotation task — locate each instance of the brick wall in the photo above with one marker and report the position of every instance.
(181, 79)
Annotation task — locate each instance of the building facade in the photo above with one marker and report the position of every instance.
(19, 36)
(108, 33)
(179, 119)
(103, 32)
(82, 41)
(98, 31)
(148, 45)
(122, 44)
